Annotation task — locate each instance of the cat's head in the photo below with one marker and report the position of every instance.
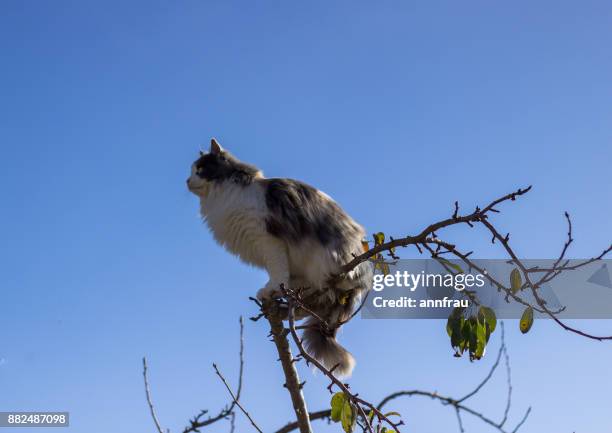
(218, 166)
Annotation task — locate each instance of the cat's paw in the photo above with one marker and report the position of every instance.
(270, 291)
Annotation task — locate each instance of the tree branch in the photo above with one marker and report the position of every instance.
(148, 394)
(292, 380)
(235, 399)
(197, 422)
(458, 405)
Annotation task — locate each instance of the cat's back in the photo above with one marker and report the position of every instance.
(297, 211)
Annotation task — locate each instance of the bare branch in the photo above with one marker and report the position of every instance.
(458, 405)
(476, 216)
(198, 421)
(502, 348)
(148, 394)
(428, 236)
(553, 271)
(235, 399)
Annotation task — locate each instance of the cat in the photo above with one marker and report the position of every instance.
(297, 233)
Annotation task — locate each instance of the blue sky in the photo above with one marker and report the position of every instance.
(396, 109)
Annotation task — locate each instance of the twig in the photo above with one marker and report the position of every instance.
(148, 394)
(197, 422)
(502, 348)
(535, 285)
(458, 405)
(235, 399)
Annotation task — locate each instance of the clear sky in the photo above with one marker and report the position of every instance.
(396, 109)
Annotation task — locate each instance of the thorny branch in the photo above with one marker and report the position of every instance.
(199, 421)
(292, 381)
(428, 239)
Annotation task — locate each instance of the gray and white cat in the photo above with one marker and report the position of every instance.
(297, 233)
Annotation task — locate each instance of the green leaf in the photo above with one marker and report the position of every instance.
(473, 336)
(393, 413)
(515, 280)
(526, 320)
(453, 317)
(348, 416)
(489, 318)
(457, 331)
(481, 340)
(337, 403)
(466, 335)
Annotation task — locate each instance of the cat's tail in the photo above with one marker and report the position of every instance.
(324, 348)
(321, 343)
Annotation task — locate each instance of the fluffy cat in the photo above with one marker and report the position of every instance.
(297, 233)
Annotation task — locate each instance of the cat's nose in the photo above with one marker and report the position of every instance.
(187, 182)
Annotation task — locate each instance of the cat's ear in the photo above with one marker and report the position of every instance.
(215, 147)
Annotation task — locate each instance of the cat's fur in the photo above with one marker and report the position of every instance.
(297, 233)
